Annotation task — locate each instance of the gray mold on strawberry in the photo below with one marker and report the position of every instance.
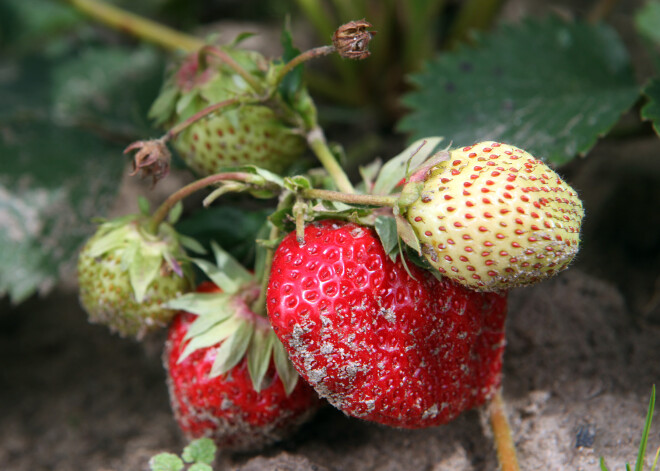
(377, 343)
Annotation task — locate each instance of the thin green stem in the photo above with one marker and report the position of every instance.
(137, 26)
(506, 450)
(319, 145)
(227, 59)
(164, 209)
(174, 131)
(350, 198)
(303, 57)
(259, 306)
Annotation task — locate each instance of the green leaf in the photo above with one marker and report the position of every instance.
(233, 349)
(233, 228)
(200, 467)
(647, 21)
(201, 304)
(175, 213)
(110, 87)
(53, 180)
(212, 336)
(65, 119)
(547, 86)
(407, 233)
(639, 465)
(397, 167)
(603, 466)
(386, 230)
(166, 462)
(285, 370)
(651, 109)
(201, 450)
(293, 81)
(259, 355)
(231, 268)
(143, 270)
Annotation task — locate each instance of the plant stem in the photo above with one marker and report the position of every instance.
(172, 133)
(303, 57)
(506, 450)
(227, 59)
(350, 198)
(259, 306)
(319, 145)
(163, 210)
(138, 26)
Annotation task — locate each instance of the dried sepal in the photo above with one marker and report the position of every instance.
(152, 159)
(351, 40)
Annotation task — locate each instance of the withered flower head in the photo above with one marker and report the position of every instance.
(152, 159)
(352, 39)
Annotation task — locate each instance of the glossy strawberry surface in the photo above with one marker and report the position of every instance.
(377, 343)
(227, 408)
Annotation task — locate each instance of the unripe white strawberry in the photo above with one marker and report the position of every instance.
(493, 217)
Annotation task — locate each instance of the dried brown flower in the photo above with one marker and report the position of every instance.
(352, 39)
(152, 159)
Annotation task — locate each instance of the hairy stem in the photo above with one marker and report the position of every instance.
(259, 306)
(227, 59)
(303, 57)
(506, 450)
(172, 133)
(350, 198)
(319, 145)
(137, 26)
(163, 210)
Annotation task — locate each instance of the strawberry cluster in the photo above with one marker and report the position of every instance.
(388, 301)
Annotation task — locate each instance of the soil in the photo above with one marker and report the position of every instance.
(581, 358)
(582, 355)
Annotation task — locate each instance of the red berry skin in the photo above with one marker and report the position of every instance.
(227, 408)
(379, 344)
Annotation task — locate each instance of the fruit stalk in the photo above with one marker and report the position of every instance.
(350, 198)
(137, 26)
(259, 306)
(318, 144)
(303, 57)
(163, 210)
(172, 133)
(506, 450)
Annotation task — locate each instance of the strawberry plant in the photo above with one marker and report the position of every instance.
(385, 295)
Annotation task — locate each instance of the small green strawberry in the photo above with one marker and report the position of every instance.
(126, 273)
(493, 217)
(247, 134)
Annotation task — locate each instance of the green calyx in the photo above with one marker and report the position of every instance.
(126, 273)
(143, 255)
(225, 317)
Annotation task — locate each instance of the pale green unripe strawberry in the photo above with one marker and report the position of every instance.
(493, 217)
(126, 274)
(246, 134)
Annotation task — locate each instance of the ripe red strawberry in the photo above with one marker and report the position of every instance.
(379, 344)
(247, 401)
(249, 134)
(126, 274)
(494, 217)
